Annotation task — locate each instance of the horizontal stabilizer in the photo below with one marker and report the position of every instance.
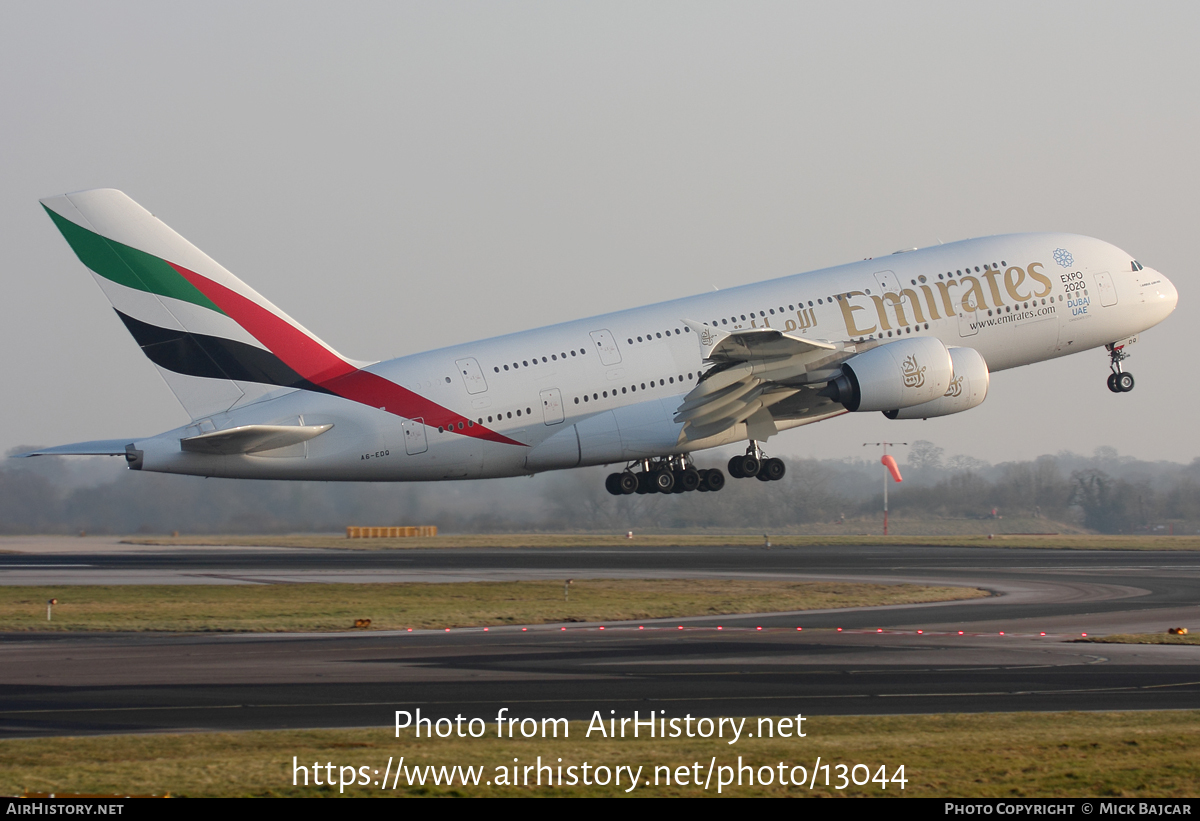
(250, 439)
(100, 447)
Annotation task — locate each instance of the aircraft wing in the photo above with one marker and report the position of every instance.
(737, 346)
(757, 375)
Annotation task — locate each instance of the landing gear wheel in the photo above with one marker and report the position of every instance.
(735, 467)
(612, 483)
(1112, 383)
(714, 481)
(763, 475)
(679, 488)
(663, 481)
(627, 483)
(688, 480)
(774, 469)
(644, 485)
(1124, 382)
(749, 465)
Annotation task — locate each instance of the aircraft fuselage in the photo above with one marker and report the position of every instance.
(607, 389)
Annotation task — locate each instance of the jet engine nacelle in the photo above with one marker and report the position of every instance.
(896, 375)
(967, 389)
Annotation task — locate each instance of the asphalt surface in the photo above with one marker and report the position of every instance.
(981, 655)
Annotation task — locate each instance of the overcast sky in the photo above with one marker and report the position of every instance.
(401, 176)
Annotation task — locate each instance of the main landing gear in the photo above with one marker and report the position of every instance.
(677, 474)
(1118, 381)
(669, 474)
(755, 463)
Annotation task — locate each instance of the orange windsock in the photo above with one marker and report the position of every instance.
(890, 463)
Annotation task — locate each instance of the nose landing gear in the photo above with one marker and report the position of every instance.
(1118, 381)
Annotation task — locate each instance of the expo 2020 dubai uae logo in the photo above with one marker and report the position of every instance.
(1063, 257)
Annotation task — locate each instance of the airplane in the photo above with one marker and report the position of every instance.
(913, 335)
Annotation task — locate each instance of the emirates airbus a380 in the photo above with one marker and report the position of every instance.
(913, 335)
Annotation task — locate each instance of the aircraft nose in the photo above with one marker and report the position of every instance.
(1168, 296)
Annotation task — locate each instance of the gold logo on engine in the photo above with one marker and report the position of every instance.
(914, 374)
(956, 387)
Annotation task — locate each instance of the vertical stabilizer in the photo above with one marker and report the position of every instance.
(216, 341)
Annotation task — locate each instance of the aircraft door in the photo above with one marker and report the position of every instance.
(966, 322)
(414, 436)
(887, 282)
(1104, 286)
(472, 375)
(606, 346)
(552, 408)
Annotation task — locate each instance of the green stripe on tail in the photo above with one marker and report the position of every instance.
(128, 266)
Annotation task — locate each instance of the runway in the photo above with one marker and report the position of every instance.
(981, 655)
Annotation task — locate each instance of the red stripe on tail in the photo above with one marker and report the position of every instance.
(316, 363)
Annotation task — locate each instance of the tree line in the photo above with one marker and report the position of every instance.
(1104, 492)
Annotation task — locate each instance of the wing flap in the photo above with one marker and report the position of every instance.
(752, 370)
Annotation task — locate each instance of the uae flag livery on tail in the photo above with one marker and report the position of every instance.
(216, 341)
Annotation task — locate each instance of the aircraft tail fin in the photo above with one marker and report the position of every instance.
(215, 340)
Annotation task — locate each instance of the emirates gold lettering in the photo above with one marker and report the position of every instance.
(808, 319)
(973, 299)
(884, 324)
(931, 303)
(897, 301)
(913, 373)
(895, 309)
(1013, 277)
(848, 309)
(1041, 278)
(990, 275)
(915, 301)
(947, 301)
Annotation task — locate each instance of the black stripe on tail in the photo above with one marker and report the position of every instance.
(212, 357)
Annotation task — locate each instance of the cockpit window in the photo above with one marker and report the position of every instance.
(1137, 266)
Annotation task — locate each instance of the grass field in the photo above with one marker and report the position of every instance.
(778, 541)
(1006, 755)
(307, 607)
(1146, 638)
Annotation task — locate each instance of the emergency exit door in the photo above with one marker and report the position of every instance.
(414, 436)
(552, 409)
(606, 346)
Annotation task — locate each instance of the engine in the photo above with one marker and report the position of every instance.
(967, 389)
(900, 374)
